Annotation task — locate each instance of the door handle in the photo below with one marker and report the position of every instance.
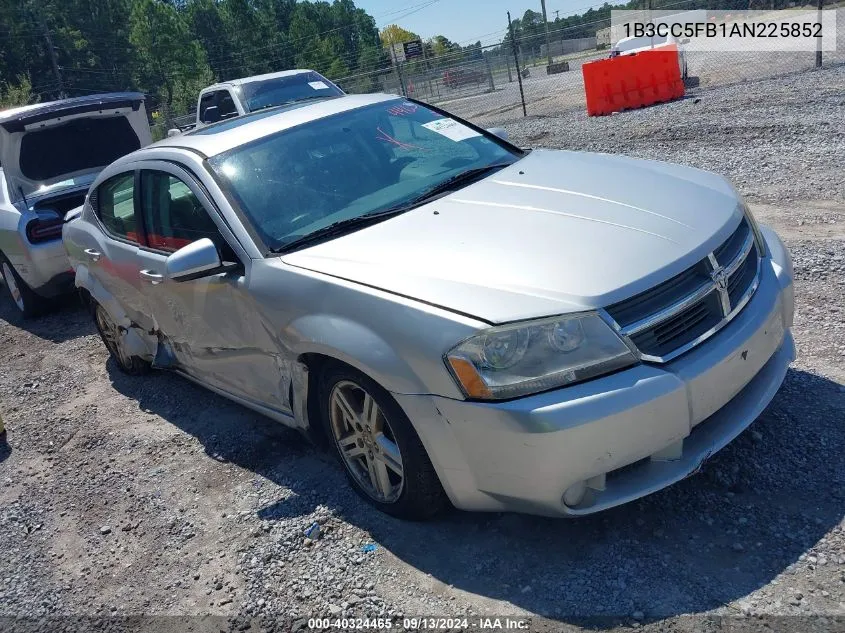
(93, 255)
(153, 277)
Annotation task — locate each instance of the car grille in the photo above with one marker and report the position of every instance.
(675, 316)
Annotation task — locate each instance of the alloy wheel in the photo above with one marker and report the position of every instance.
(12, 285)
(366, 441)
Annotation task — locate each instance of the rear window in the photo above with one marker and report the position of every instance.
(78, 145)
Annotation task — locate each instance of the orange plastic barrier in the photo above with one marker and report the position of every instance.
(632, 81)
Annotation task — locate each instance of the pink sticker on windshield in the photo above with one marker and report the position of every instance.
(402, 109)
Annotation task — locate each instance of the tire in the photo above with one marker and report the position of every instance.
(110, 333)
(419, 495)
(28, 303)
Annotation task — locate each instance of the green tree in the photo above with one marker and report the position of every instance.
(14, 95)
(440, 45)
(208, 26)
(395, 34)
(166, 55)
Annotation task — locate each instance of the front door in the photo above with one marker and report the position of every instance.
(209, 327)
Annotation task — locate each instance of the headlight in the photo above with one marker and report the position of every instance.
(758, 236)
(531, 356)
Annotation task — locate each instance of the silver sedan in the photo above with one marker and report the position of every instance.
(50, 154)
(459, 319)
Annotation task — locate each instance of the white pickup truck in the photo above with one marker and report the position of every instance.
(233, 98)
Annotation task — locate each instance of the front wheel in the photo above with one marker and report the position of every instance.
(26, 301)
(384, 458)
(113, 339)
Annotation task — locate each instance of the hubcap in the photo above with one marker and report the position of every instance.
(12, 285)
(111, 335)
(366, 441)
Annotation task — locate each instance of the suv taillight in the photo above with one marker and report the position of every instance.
(38, 231)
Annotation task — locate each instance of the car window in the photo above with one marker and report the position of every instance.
(226, 105)
(116, 206)
(205, 101)
(174, 217)
(352, 164)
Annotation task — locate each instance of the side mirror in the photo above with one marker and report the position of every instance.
(502, 133)
(174, 131)
(211, 114)
(197, 259)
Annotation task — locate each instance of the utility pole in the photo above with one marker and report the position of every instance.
(427, 69)
(516, 62)
(54, 59)
(398, 66)
(546, 29)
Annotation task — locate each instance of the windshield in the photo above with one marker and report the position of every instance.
(350, 165)
(258, 95)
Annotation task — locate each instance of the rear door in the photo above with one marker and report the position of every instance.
(112, 252)
(211, 327)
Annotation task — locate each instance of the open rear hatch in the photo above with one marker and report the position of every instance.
(49, 147)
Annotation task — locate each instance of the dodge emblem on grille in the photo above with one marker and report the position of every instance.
(720, 278)
(720, 281)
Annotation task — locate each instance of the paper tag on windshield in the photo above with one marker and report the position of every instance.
(451, 129)
(318, 85)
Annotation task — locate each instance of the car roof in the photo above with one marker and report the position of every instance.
(625, 40)
(36, 110)
(245, 80)
(220, 137)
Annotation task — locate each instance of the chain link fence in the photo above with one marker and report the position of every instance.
(482, 84)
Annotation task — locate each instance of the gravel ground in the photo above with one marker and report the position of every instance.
(124, 496)
(777, 139)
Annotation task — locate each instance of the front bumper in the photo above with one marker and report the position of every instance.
(620, 437)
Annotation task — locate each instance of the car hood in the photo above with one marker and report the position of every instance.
(46, 146)
(555, 232)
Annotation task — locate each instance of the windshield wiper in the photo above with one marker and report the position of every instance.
(455, 181)
(342, 226)
(338, 228)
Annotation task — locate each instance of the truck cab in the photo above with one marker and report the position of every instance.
(239, 96)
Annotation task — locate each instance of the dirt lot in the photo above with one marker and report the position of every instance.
(127, 496)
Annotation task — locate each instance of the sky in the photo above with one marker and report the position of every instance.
(463, 21)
